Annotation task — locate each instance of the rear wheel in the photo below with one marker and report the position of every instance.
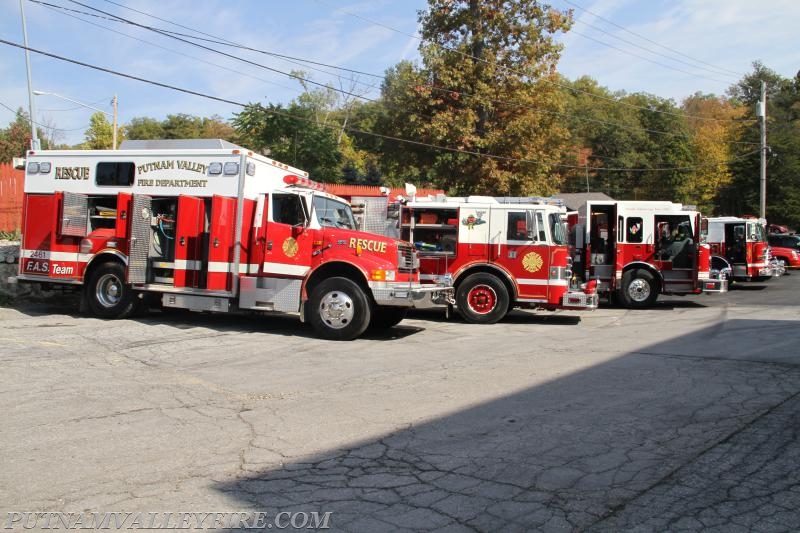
(387, 317)
(639, 289)
(107, 293)
(482, 299)
(338, 309)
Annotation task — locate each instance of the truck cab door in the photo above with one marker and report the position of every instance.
(287, 248)
(526, 252)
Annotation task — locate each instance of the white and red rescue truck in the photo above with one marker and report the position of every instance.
(497, 255)
(740, 246)
(210, 229)
(637, 250)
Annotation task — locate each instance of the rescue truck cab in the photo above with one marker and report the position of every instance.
(740, 246)
(497, 255)
(637, 250)
(210, 226)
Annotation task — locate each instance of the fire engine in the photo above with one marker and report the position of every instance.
(637, 250)
(497, 255)
(210, 226)
(740, 246)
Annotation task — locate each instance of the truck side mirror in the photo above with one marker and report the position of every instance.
(530, 226)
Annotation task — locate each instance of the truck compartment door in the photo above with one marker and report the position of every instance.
(221, 241)
(190, 242)
(139, 219)
(74, 219)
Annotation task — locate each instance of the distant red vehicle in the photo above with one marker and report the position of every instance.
(785, 248)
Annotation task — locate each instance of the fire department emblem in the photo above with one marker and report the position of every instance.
(473, 220)
(532, 262)
(290, 247)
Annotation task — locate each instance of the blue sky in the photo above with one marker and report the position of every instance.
(668, 48)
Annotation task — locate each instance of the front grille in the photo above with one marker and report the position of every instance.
(407, 258)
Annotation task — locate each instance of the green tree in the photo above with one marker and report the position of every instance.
(714, 125)
(291, 135)
(487, 88)
(144, 128)
(100, 134)
(16, 138)
(783, 167)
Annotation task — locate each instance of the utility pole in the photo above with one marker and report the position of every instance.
(762, 112)
(31, 108)
(114, 134)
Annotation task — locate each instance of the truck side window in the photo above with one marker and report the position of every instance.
(634, 229)
(517, 230)
(115, 174)
(286, 209)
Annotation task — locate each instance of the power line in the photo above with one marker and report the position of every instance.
(544, 80)
(635, 45)
(349, 129)
(193, 58)
(44, 125)
(461, 94)
(611, 22)
(161, 32)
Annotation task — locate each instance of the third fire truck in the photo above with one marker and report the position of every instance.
(210, 226)
(740, 246)
(637, 250)
(497, 255)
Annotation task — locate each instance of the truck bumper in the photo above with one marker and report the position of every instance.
(579, 300)
(411, 295)
(715, 285)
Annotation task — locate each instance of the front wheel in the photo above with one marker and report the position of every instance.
(482, 299)
(639, 289)
(107, 293)
(338, 309)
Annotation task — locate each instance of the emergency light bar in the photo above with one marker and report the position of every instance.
(292, 179)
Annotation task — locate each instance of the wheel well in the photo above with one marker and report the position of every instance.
(335, 269)
(499, 274)
(649, 268)
(98, 260)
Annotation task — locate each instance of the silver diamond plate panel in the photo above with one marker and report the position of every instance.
(373, 219)
(74, 215)
(141, 213)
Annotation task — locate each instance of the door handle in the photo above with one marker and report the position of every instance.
(269, 245)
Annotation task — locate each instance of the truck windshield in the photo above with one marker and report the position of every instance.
(558, 229)
(755, 232)
(333, 213)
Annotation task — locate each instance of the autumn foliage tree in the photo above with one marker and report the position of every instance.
(486, 93)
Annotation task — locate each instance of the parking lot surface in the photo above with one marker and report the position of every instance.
(682, 417)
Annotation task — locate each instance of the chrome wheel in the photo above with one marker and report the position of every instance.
(639, 290)
(336, 309)
(108, 290)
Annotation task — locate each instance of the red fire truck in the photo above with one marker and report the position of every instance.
(740, 246)
(210, 226)
(497, 255)
(637, 250)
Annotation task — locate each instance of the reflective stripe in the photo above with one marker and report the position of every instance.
(285, 270)
(55, 256)
(553, 282)
(187, 264)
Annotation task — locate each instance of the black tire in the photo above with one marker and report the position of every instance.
(386, 317)
(338, 309)
(107, 294)
(482, 299)
(639, 289)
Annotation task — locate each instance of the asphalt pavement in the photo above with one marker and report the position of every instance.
(682, 417)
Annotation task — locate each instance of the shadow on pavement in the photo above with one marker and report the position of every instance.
(694, 432)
